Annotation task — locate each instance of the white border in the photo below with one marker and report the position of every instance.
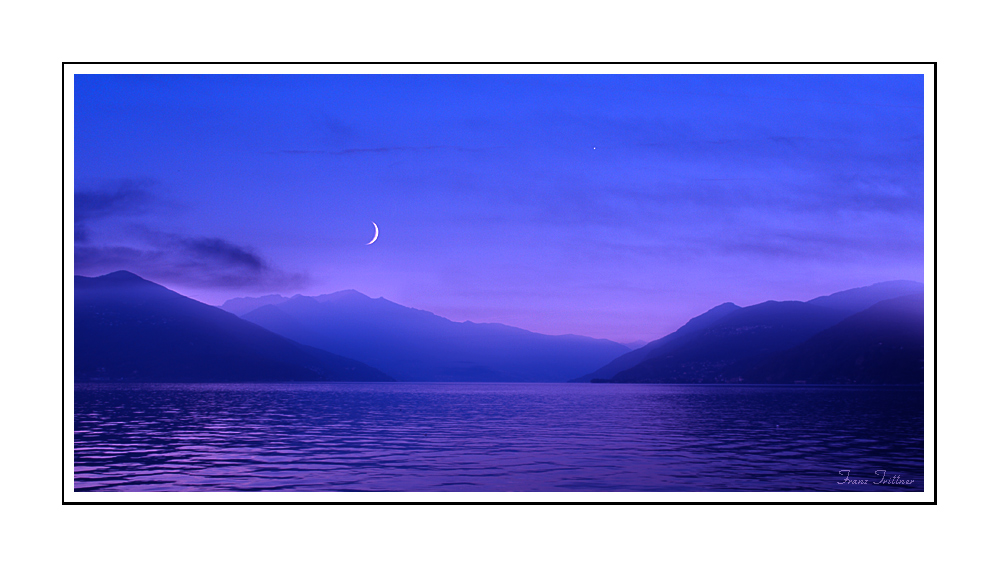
(71, 496)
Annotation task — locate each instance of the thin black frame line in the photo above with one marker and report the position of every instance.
(934, 194)
(62, 417)
(499, 63)
(63, 247)
(500, 503)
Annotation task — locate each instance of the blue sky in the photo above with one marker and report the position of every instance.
(604, 205)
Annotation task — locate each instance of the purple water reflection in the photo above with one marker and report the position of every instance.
(493, 437)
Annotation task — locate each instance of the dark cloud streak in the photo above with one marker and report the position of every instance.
(198, 261)
(170, 257)
(226, 252)
(119, 198)
(122, 198)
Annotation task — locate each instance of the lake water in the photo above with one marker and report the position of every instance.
(494, 437)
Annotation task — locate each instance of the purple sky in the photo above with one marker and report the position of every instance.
(604, 205)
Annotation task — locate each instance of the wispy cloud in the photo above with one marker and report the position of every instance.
(214, 251)
(379, 150)
(119, 198)
(194, 260)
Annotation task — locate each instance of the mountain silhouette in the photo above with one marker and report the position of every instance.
(240, 306)
(883, 344)
(127, 328)
(727, 342)
(662, 345)
(736, 341)
(857, 299)
(417, 345)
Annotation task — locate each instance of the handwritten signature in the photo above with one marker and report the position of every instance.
(885, 479)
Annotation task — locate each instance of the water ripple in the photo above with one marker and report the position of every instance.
(493, 437)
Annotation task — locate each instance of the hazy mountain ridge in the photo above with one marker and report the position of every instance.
(128, 328)
(858, 299)
(750, 344)
(657, 347)
(741, 338)
(240, 306)
(413, 344)
(881, 344)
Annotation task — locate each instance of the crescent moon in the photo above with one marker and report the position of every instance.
(375, 238)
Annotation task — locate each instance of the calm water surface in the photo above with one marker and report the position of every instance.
(494, 437)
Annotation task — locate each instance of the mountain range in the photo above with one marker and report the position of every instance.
(127, 328)
(417, 345)
(662, 345)
(864, 335)
(883, 344)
